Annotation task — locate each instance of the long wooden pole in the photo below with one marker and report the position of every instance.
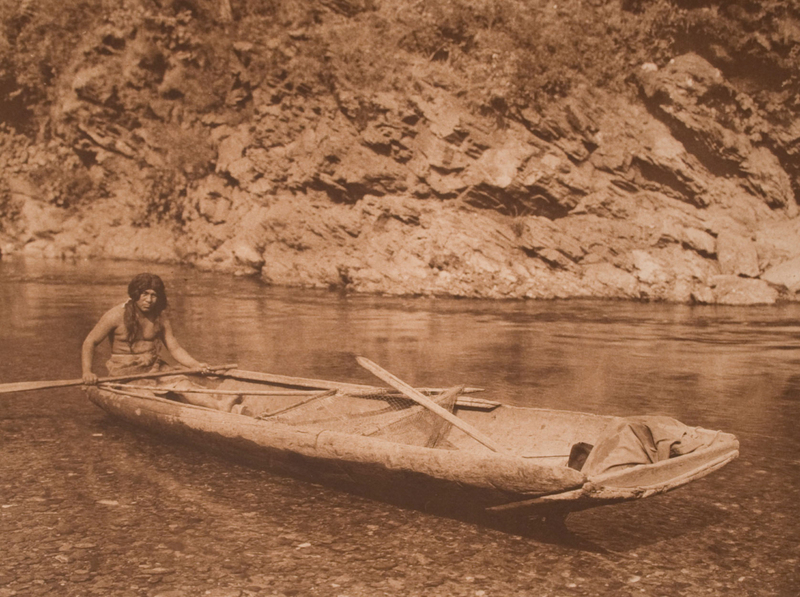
(24, 386)
(430, 404)
(322, 384)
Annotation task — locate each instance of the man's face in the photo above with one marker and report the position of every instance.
(147, 300)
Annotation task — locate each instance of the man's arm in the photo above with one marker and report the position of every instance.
(176, 350)
(106, 326)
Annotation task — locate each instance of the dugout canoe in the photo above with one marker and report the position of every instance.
(374, 442)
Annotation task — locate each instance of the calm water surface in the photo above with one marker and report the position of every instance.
(91, 507)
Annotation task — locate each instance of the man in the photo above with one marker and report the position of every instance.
(136, 331)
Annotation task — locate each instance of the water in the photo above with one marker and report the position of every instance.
(91, 507)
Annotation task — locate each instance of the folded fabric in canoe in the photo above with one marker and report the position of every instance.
(631, 441)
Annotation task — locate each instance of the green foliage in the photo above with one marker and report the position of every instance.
(507, 51)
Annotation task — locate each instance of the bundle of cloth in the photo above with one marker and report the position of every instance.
(631, 441)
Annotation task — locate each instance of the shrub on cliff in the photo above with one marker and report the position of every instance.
(757, 42)
(515, 52)
(9, 208)
(163, 199)
(38, 38)
(65, 187)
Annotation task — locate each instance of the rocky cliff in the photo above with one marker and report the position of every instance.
(495, 148)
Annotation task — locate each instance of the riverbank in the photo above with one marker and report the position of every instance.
(412, 150)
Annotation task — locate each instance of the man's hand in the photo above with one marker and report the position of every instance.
(205, 368)
(90, 379)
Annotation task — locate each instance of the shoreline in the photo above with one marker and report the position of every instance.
(783, 297)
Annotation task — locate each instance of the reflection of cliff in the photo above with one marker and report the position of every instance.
(403, 149)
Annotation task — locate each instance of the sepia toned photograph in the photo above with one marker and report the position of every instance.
(399, 298)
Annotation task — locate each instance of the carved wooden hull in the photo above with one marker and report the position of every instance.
(464, 474)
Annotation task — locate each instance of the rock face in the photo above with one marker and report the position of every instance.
(676, 188)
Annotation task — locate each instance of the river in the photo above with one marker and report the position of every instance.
(92, 507)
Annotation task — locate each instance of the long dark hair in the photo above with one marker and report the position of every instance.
(137, 286)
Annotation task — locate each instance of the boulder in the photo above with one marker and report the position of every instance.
(443, 115)
(648, 269)
(248, 255)
(363, 172)
(737, 255)
(766, 178)
(231, 149)
(733, 290)
(242, 170)
(498, 166)
(22, 187)
(214, 208)
(786, 274)
(438, 153)
(604, 279)
(211, 198)
(699, 241)
(174, 84)
(664, 162)
(41, 220)
(778, 241)
(677, 91)
(94, 85)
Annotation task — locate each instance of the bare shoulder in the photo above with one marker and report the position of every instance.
(115, 316)
(111, 320)
(116, 313)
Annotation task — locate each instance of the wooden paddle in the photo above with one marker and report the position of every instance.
(24, 386)
(419, 398)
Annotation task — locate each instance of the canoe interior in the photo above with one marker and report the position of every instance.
(543, 434)
(281, 424)
(534, 433)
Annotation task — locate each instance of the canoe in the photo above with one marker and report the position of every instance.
(376, 442)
